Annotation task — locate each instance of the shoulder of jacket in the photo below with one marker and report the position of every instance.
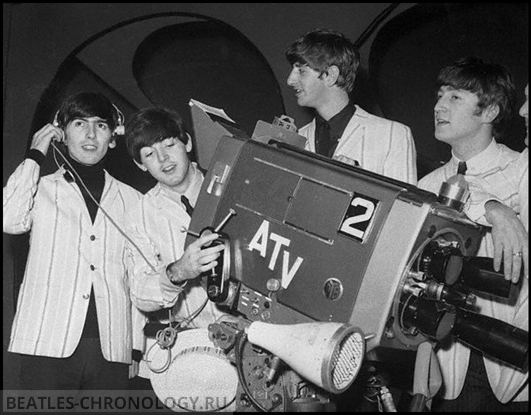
(508, 152)
(379, 121)
(124, 187)
(433, 175)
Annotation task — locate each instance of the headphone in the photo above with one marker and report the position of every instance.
(119, 129)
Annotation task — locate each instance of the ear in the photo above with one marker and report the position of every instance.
(188, 143)
(140, 166)
(112, 143)
(333, 75)
(491, 112)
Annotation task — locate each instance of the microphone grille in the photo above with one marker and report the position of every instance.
(346, 360)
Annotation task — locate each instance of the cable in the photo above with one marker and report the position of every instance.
(166, 337)
(192, 316)
(99, 206)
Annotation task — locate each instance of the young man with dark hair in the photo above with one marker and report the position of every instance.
(324, 65)
(159, 144)
(72, 325)
(475, 100)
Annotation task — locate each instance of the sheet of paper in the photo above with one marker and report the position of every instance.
(212, 110)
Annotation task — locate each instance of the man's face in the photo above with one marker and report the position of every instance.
(88, 139)
(167, 161)
(524, 113)
(457, 117)
(310, 89)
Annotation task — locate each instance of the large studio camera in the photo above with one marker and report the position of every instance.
(324, 263)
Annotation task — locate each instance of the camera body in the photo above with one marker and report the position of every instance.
(315, 240)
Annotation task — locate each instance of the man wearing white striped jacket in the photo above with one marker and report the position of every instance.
(324, 65)
(73, 322)
(475, 100)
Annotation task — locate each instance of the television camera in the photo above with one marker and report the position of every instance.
(325, 263)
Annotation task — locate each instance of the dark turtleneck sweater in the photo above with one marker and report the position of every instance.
(94, 179)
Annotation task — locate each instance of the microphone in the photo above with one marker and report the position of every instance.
(327, 354)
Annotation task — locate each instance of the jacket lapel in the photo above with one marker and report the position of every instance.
(354, 132)
(108, 199)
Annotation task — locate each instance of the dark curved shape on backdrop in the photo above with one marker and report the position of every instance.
(410, 49)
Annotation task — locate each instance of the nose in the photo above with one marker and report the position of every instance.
(91, 130)
(440, 105)
(162, 155)
(291, 78)
(524, 110)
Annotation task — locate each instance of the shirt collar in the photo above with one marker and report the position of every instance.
(338, 122)
(481, 160)
(193, 190)
(191, 193)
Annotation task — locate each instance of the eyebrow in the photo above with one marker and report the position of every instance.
(449, 88)
(98, 119)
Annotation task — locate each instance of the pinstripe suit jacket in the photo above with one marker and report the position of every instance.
(68, 255)
(379, 145)
(156, 230)
(494, 171)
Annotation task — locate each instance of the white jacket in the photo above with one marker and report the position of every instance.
(68, 255)
(379, 145)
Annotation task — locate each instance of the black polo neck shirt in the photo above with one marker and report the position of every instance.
(328, 133)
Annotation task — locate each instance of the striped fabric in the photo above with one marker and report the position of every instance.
(379, 145)
(495, 171)
(492, 175)
(156, 227)
(68, 255)
(521, 174)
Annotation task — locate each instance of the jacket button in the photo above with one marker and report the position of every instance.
(92, 237)
(92, 267)
(86, 296)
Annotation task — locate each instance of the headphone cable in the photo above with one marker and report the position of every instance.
(99, 206)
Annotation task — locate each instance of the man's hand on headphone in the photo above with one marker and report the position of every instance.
(42, 138)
